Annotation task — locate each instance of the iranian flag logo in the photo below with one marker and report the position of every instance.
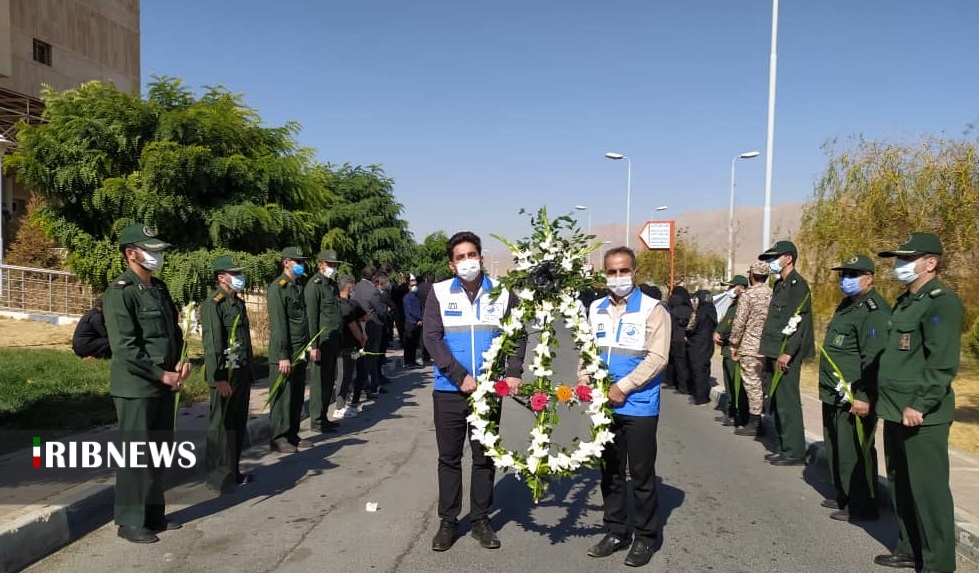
(37, 452)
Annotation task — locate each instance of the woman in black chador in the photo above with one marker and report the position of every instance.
(700, 346)
(678, 371)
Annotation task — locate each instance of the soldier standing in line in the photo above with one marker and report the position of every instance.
(732, 416)
(917, 403)
(323, 313)
(786, 341)
(228, 370)
(289, 335)
(855, 339)
(146, 342)
(745, 339)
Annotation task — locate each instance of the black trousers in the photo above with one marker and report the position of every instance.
(412, 335)
(139, 491)
(677, 369)
(322, 382)
(451, 433)
(634, 448)
(347, 374)
(98, 348)
(699, 353)
(228, 431)
(369, 365)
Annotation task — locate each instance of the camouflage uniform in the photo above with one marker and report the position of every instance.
(746, 339)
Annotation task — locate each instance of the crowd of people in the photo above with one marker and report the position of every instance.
(878, 361)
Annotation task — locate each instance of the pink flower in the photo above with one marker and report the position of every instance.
(502, 388)
(538, 401)
(583, 392)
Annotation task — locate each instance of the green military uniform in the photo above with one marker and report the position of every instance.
(916, 371)
(737, 408)
(855, 339)
(289, 335)
(223, 318)
(146, 341)
(323, 312)
(789, 295)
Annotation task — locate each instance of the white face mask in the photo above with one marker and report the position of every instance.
(152, 260)
(329, 271)
(620, 286)
(468, 269)
(237, 283)
(904, 271)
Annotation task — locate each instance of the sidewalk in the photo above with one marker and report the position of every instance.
(38, 516)
(964, 480)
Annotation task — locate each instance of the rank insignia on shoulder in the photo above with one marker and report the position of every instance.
(283, 282)
(123, 283)
(936, 292)
(318, 280)
(218, 297)
(794, 281)
(872, 304)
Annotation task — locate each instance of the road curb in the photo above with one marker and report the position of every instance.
(966, 529)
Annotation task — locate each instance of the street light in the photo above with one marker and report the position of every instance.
(653, 212)
(628, 192)
(730, 216)
(585, 208)
(766, 230)
(4, 144)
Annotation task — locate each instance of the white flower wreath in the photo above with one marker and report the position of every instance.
(555, 265)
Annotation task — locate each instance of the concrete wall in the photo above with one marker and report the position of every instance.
(90, 39)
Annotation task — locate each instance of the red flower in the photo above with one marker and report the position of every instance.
(583, 392)
(502, 388)
(538, 401)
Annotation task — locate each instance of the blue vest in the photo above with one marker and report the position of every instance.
(623, 344)
(469, 327)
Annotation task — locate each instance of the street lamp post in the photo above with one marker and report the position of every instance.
(628, 192)
(730, 217)
(766, 230)
(652, 212)
(4, 143)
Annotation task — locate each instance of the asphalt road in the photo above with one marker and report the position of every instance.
(723, 509)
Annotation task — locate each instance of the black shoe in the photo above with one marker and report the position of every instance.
(830, 504)
(283, 447)
(728, 422)
(895, 560)
(846, 515)
(752, 428)
(784, 461)
(483, 531)
(244, 479)
(607, 546)
(305, 444)
(136, 534)
(327, 426)
(640, 553)
(772, 456)
(445, 537)
(167, 525)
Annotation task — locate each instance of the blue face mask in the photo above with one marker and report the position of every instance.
(237, 283)
(298, 269)
(850, 285)
(775, 266)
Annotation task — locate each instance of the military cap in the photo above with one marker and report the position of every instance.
(294, 253)
(917, 244)
(860, 263)
(779, 249)
(737, 280)
(227, 263)
(141, 236)
(759, 268)
(328, 255)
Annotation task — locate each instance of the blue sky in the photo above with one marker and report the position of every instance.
(477, 109)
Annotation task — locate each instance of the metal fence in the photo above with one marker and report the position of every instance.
(24, 289)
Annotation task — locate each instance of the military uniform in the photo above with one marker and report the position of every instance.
(146, 341)
(323, 313)
(920, 361)
(228, 430)
(745, 339)
(789, 295)
(855, 339)
(738, 413)
(289, 335)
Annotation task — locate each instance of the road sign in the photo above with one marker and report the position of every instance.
(657, 235)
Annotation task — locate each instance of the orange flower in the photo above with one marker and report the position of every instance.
(564, 393)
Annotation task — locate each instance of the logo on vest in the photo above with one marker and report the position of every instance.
(453, 306)
(630, 333)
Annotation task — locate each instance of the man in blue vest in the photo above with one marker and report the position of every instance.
(633, 333)
(461, 320)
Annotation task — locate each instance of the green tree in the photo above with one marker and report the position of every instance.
(692, 267)
(204, 172)
(430, 257)
(873, 194)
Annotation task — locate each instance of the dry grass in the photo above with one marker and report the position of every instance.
(34, 334)
(965, 430)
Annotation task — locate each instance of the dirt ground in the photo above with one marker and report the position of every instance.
(34, 334)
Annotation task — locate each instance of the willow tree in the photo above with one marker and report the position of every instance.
(873, 194)
(205, 172)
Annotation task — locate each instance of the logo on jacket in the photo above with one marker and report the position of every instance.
(630, 333)
(453, 306)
